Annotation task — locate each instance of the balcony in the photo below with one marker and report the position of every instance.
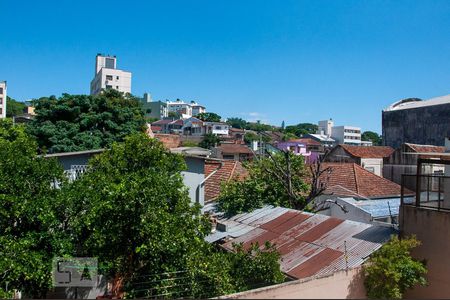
(426, 191)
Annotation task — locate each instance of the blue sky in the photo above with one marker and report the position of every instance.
(298, 61)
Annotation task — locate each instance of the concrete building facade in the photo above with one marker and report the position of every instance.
(345, 134)
(349, 135)
(418, 122)
(107, 76)
(154, 109)
(3, 94)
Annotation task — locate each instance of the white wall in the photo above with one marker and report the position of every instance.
(123, 84)
(3, 97)
(375, 163)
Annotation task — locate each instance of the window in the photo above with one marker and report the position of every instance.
(1, 100)
(109, 77)
(1, 110)
(1, 91)
(108, 87)
(117, 87)
(370, 169)
(117, 77)
(218, 128)
(109, 63)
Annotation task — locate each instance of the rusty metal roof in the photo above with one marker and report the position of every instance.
(309, 244)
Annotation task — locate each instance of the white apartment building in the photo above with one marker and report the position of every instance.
(184, 109)
(197, 108)
(349, 135)
(3, 94)
(107, 76)
(325, 127)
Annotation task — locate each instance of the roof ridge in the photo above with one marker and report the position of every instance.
(356, 179)
(232, 171)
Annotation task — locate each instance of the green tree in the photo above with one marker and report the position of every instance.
(209, 140)
(132, 211)
(30, 214)
(374, 137)
(209, 117)
(13, 107)
(237, 123)
(135, 213)
(173, 114)
(258, 127)
(301, 129)
(250, 136)
(82, 122)
(277, 180)
(391, 270)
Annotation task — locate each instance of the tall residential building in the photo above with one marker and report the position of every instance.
(107, 76)
(3, 89)
(349, 135)
(416, 121)
(197, 108)
(325, 127)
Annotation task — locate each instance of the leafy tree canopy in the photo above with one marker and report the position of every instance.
(13, 107)
(132, 211)
(267, 183)
(301, 129)
(371, 136)
(209, 140)
(209, 117)
(30, 219)
(84, 122)
(237, 123)
(391, 270)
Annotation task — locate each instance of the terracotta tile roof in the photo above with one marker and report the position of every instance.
(349, 179)
(235, 148)
(368, 151)
(230, 169)
(306, 141)
(425, 148)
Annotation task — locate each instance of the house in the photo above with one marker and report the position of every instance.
(427, 216)
(309, 244)
(326, 141)
(369, 157)
(295, 147)
(350, 179)
(168, 126)
(353, 193)
(76, 163)
(237, 151)
(219, 172)
(193, 126)
(217, 128)
(404, 161)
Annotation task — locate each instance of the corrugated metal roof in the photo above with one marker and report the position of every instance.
(377, 207)
(309, 244)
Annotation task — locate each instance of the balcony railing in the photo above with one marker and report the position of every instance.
(430, 191)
